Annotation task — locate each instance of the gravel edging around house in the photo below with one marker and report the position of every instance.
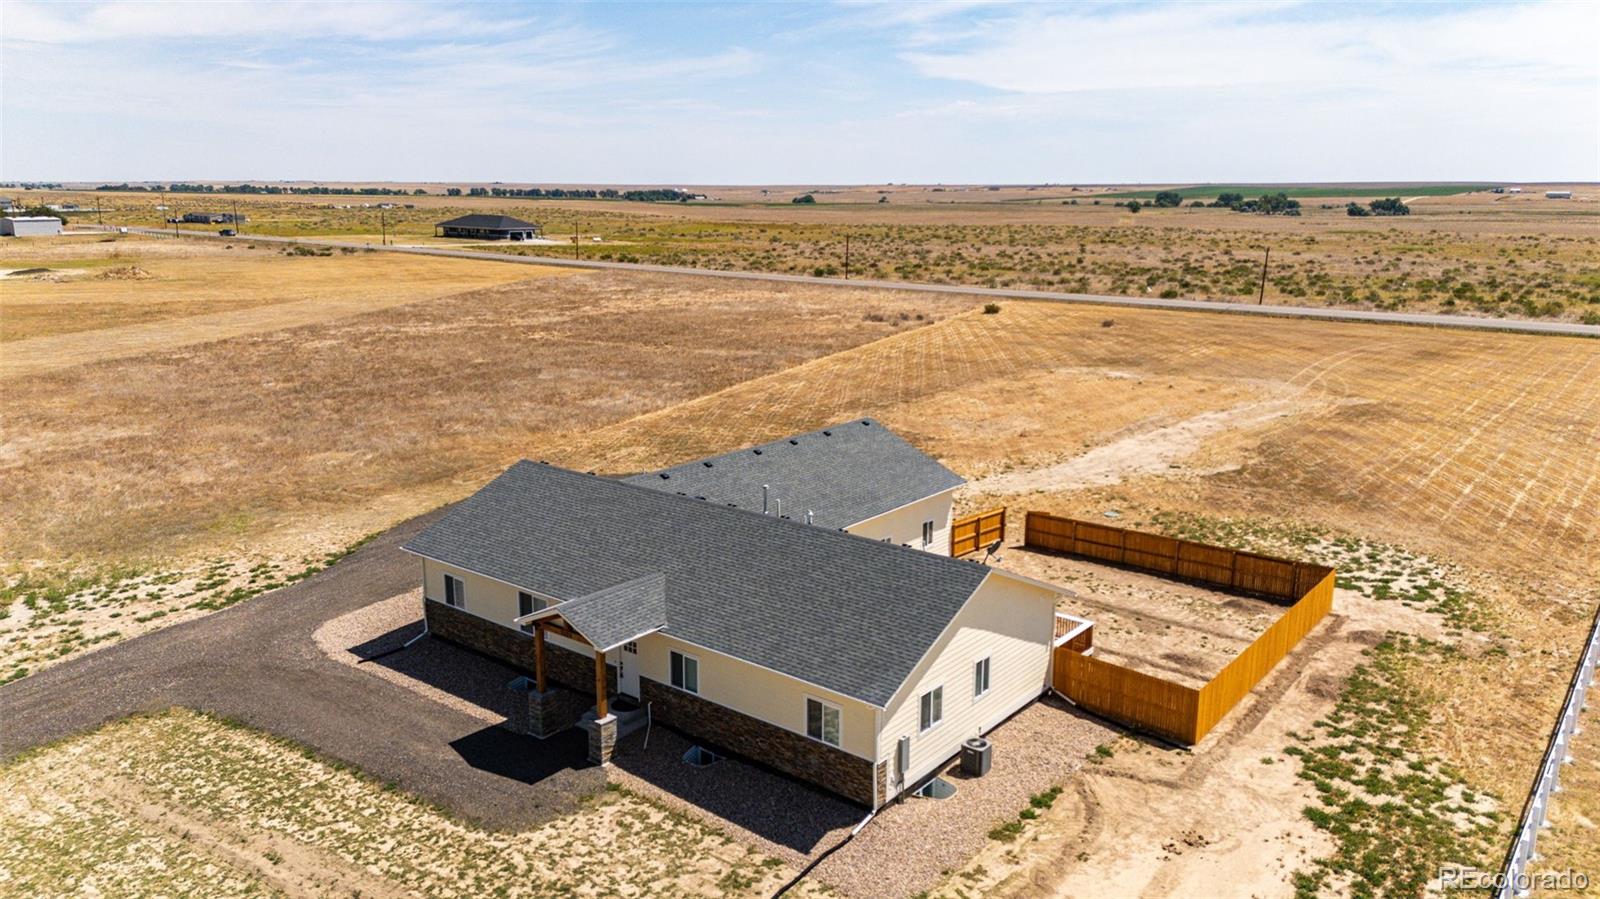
(910, 844)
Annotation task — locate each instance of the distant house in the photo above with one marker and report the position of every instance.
(1558, 195)
(30, 226)
(826, 650)
(488, 227)
(213, 218)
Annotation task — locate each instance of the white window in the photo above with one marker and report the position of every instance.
(980, 678)
(455, 592)
(932, 708)
(822, 721)
(685, 672)
(927, 534)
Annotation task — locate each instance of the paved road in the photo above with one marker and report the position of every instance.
(257, 662)
(1523, 326)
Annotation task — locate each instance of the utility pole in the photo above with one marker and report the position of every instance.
(236, 216)
(1262, 297)
(847, 257)
(576, 230)
(383, 223)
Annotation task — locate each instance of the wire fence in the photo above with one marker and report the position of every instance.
(1514, 875)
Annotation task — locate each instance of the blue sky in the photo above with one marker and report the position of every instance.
(852, 92)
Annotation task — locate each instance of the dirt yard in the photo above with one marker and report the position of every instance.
(181, 803)
(1171, 629)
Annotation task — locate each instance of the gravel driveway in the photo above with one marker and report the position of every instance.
(258, 662)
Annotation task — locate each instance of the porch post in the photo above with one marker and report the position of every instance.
(600, 709)
(538, 655)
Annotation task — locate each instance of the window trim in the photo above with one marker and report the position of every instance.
(825, 705)
(457, 598)
(937, 688)
(532, 606)
(695, 660)
(987, 665)
(928, 532)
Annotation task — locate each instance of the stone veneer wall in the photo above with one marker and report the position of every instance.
(794, 754)
(572, 670)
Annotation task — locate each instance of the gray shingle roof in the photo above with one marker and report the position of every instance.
(490, 222)
(842, 612)
(614, 615)
(844, 474)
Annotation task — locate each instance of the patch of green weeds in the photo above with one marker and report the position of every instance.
(1395, 814)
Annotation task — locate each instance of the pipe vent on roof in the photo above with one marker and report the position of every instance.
(706, 464)
(866, 424)
(757, 452)
(794, 443)
(665, 476)
(827, 433)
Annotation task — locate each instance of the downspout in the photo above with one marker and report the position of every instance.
(424, 607)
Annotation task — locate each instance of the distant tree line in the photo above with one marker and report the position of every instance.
(657, 195)
(1266, 204)
(1279, 203)
(1385, 206)
(179, 187)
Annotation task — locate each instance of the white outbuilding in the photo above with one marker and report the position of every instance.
(30, 226)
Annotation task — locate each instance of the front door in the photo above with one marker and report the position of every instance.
(628, 669)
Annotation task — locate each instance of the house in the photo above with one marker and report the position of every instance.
(858, 477)
(488, 227)
(1558, 195)
(30, 226)
(845, 661)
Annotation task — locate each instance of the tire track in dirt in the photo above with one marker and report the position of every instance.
(287, 865)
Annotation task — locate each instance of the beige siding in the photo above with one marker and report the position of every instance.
(1007, 620)
(771, 697)
(904, 525)
(486, 598)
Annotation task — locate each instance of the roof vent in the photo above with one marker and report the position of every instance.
(827, 433)
(701, 498)
(706, 464)
(794, 443)
(757, 452)
(665, 476)
(866, 424)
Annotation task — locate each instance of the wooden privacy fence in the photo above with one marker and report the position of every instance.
(1177, 712)
(1277, 579)
(970, 534)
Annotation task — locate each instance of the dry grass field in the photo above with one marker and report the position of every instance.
(1476, 253)
(1451, 477)
(179, 803)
